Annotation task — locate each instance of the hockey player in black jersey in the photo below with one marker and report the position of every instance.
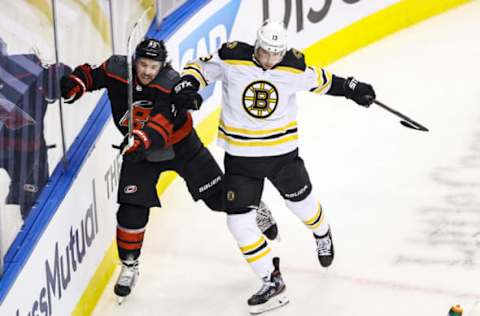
(157, 126)
(258, 130)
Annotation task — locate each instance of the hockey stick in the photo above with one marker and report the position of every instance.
(131, 44)
(406, 121)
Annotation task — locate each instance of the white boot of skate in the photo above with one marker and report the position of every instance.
(271, 295)
(126, 280)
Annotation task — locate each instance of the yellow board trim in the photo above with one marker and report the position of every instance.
(146, 4)
(98, 283)
(328, 50)
(44, 7)
(375, 27)
(99, 20)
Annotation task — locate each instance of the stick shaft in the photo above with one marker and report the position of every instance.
(131, 44)
(402, 116)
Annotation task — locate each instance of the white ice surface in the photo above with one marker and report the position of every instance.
(404, 205)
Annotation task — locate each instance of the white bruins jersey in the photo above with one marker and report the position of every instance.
(259, 110)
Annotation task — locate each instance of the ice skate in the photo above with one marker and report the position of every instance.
(126, 280)
(266, 223)
(272, 293)
(325, 249)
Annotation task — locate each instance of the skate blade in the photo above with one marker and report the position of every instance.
(274, 303)
(121, 299)
(278, 238)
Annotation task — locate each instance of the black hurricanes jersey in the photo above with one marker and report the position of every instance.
(148, 100)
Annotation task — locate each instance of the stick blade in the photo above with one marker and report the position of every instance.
(410, 125)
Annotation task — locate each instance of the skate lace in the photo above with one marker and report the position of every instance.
(266, 287)
(127, 275)
(264, 217)
(324, 246)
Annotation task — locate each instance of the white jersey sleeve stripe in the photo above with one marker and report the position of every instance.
(197, 75)
(325, 82)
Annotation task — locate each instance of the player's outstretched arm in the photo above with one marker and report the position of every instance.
(72, 86)
(83, 78)
(196, 75)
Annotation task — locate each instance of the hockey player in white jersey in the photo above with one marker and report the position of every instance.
(258, 130)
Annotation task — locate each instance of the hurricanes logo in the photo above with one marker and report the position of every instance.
(260, 99)
(141, 114)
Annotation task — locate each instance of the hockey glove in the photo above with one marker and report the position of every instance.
(72, 88)
(75, 85)
(141, 142)
(362, 93)
(185, 94)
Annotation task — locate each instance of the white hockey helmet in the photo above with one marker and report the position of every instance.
(272, 37)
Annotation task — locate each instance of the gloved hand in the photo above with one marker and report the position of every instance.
(141, 142)
(72, 88)
(360, 92)
(185, 94)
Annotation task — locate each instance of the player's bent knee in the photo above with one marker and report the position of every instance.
(215, 201)
(132, 216)
(298, 195)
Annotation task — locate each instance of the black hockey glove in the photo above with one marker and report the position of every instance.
(141, 142)
(185, 94)
(360, 92)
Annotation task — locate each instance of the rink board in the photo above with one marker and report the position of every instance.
(88, 207)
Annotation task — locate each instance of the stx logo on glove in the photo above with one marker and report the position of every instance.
(353, 84)
(183, 85)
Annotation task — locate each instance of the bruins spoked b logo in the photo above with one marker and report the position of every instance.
(260, 99)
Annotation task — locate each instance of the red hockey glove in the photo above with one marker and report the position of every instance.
(74, 85)
(72, 88)
(141, 142)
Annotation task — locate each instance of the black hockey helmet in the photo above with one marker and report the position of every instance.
(152, 49)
